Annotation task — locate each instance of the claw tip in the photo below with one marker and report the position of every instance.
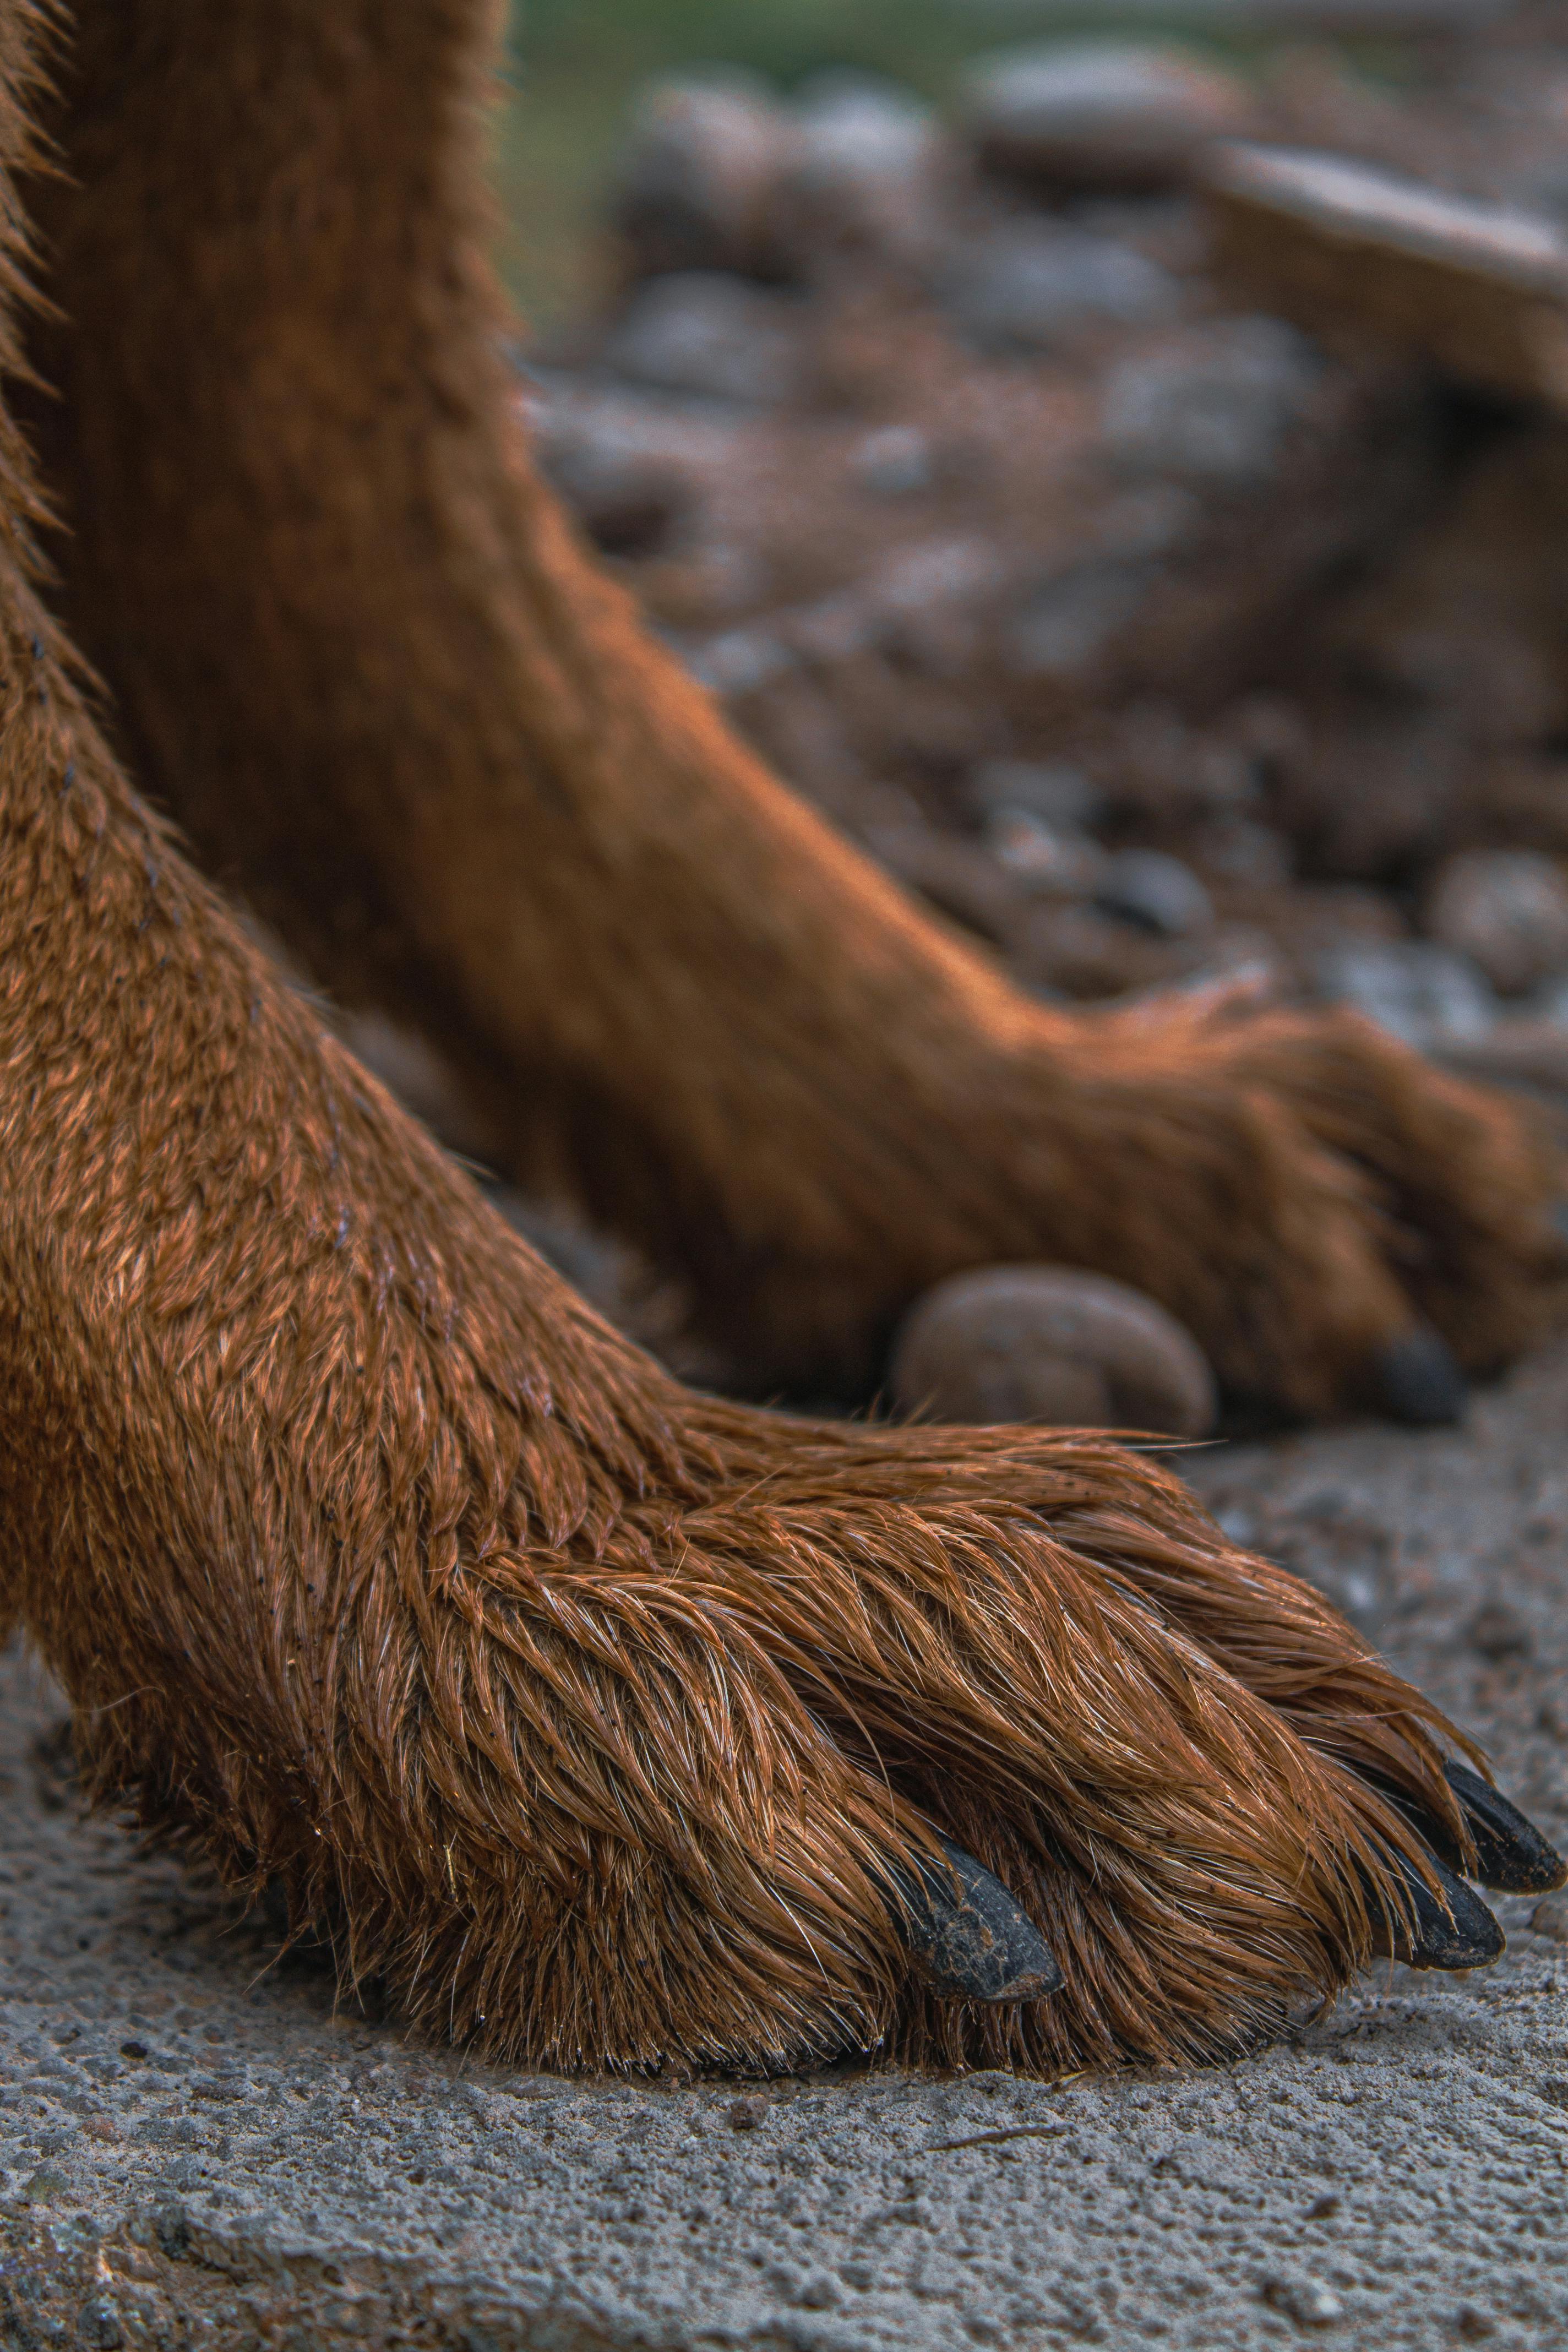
(1511, 1853)
(969, 1939)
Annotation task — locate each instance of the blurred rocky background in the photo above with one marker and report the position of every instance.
(1115, 466)
(1137, 521)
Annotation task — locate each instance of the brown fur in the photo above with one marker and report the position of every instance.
(589, 1713)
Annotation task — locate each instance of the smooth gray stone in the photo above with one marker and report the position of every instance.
(1030, 284)
(698, 332)
(1100, 112)
(1423, 993)
(699, 169)
(1157, 891)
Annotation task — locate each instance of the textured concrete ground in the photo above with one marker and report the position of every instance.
(195, 2149)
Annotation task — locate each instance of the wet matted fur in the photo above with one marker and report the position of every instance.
(592, 1715)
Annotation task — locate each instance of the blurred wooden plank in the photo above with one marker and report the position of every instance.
(1479, 290)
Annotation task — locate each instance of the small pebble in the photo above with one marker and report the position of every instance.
(818, 2292)
(737, 662)
(863, 124)
(895, 462)
(1413, 988)
(1050, 1346)
(1158, 893)
(746, 2114)
(1507, 909)
(1305, 2300)
(697, 177)
(865, 172)
(97, 2325)
(702, 332)
(1029, 284)
(1099, 113)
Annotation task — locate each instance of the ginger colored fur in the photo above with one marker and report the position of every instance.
(590, 1714)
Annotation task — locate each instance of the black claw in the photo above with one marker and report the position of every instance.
(1511, 1853)
(967, 1935)
(1458, 1932)
(1419, 1381)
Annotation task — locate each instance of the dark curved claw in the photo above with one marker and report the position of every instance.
(1419, 1381)
(968, 1937)
(1458, 1933)
(1511, 1853)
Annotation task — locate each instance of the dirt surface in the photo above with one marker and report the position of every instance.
(196, 2148)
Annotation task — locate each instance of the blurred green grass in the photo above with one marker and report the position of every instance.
(573, 65)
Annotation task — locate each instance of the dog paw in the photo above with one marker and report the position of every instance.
(1340, 1226)
(972, 1746)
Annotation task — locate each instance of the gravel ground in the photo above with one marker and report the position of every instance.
(197, 2147)
(1031, 509)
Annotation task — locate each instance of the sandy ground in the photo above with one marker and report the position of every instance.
(195, 2150)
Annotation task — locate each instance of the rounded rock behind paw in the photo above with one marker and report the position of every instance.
(1052, 1346)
